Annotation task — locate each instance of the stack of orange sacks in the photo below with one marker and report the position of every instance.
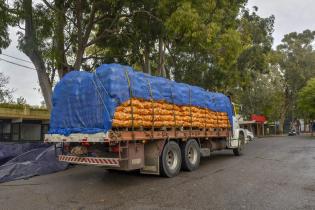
(147, 114)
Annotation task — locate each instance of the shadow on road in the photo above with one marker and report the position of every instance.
(129, 178)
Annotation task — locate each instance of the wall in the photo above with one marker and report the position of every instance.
(30, 132)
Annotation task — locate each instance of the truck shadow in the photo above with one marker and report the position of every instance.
(216, 158)
(116, 181)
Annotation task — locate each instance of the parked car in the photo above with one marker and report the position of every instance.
(249, 135)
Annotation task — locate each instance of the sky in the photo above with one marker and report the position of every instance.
(290, 15)
(23, 80)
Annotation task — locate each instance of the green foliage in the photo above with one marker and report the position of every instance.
(21, 106)
(218, 45)
(279, 76)
(21, 100)
(204, 40)
(265, 97)
(295, 58)
(306, 99)
(12, 105)
(5, 93)
(208, 43)
(257, 39)
(231, 46)
(5, 19)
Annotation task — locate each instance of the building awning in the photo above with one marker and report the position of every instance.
(250, 122)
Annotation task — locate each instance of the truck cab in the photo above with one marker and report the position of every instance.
(237, 140)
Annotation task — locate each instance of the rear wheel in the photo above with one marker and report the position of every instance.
(170, 159)
(239, 150)
(190, 155)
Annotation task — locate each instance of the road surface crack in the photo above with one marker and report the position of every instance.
(263, 158)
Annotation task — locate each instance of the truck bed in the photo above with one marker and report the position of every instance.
(129, 135)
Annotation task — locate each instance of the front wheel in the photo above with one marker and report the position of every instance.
(170, 159)
(239, 150)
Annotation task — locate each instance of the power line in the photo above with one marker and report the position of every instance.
(15, 58)
(17, 64)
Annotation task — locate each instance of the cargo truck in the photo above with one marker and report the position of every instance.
(121, 119)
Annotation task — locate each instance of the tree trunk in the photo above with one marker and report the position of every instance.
(161, 67)
(284, 110)
(168, 73)
(79, 58)
(80, 46)
(30, 49)
(43, 78)
(61, 62)
(147, 66)
(282, 119)
(84, 31)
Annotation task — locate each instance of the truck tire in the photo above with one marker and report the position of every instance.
(190, 155)
(170, 159)
(239, 150)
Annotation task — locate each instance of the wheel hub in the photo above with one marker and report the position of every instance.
(192, 155)
(172, 159)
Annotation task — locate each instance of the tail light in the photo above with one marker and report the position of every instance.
(87, 144)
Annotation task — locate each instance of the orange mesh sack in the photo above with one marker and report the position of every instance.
(142, 113)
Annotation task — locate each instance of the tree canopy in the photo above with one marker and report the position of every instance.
(295, 59)
(218, 45)
(306, 99)
(5, 92)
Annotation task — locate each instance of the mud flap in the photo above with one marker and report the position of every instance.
(152, 151)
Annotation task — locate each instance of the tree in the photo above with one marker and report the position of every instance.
(306, 100)
(219, 46)
(204, 42)
(5, 19)
(55, 34)
(140, 30)
(21, 100)
(256, 33)
(207, 43)
(5, 93)
(265, 97)
(295, 59)
(193, 42)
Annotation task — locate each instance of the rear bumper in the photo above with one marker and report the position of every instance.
(112, 162)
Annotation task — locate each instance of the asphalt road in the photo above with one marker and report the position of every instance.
(274, 173)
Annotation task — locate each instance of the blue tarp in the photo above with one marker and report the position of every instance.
(11, 150)
(85, 102)
(27, 160)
